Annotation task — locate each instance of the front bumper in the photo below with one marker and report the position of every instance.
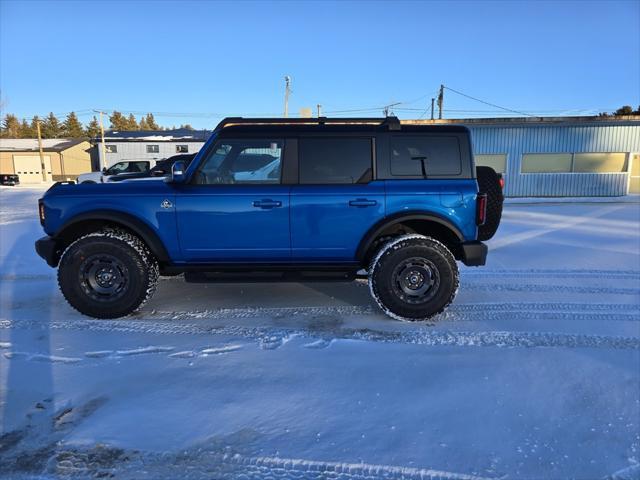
(48, 249)
(474, 254)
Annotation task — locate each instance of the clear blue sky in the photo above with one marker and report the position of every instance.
(204, 58)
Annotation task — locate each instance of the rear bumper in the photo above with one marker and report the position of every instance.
(474, 254)
(47, 248)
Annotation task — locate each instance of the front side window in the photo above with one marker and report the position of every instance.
(335, 160)
(153, 148)
(242, 162)
(426, 155)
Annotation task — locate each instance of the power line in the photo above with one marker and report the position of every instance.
(488, 103)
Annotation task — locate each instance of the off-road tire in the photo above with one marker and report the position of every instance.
(135, 269)
(489, 183)
(386, 286)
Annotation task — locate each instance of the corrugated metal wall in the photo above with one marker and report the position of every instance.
(514, 141)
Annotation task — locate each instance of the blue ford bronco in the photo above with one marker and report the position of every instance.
(284, 200)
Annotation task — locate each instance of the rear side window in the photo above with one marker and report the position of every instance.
(440, 154)
(335, 160)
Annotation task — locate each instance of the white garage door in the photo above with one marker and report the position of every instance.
(28, 168)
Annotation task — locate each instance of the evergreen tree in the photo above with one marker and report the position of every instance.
(10, 126)
(118, 121)
(26, 131)
(93, 129)
(132, 123)
(143, 123)
(187, 126)
(51, 127)
(72, 128)
(151, 122)
(626, 110)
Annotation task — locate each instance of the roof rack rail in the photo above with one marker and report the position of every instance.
(391, 122)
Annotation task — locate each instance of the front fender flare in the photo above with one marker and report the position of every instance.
(137, 226)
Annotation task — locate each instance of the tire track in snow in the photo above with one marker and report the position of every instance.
(532, 287)
(535, 273)
(271, 338)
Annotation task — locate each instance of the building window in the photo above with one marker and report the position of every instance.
(546, 163)
(599, 162)
(182, 148)
(574, 163)
(153, 148)
(496, 161)
(439, 156)
(634, 177)
(111, 148)
(335, 161)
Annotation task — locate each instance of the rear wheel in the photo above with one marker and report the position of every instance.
(413, 277)
(107, 274)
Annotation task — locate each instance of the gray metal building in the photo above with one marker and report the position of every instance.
(556, 157)
(539, 157)
(148, 145)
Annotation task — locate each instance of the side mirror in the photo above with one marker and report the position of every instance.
(177, 172)
(104, 170)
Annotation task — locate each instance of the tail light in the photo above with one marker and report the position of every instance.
(41, 212)
(481, 213)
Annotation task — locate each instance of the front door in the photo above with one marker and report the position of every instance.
(236, 208)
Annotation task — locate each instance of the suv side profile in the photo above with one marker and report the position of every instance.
(284, 200)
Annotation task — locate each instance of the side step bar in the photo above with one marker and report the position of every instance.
(270, 276)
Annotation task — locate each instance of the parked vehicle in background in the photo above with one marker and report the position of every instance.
(283, 199)
(129, 166)
(9, 179)
(162, 169)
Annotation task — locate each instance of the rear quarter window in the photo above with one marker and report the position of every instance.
(441, 155)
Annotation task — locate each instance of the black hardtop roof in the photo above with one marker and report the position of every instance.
(233, 125)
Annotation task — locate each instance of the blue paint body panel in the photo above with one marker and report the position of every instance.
(451, 200)
(233, 222)
(328, 222)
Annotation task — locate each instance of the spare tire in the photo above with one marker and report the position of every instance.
(489, 183)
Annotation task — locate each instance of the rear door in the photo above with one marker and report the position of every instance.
(336, 200)
(236, 209)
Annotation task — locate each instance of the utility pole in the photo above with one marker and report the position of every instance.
(43, 167)
(432, 102)
(440, 101)
(103, 148)
(319, 110)
(287, 91)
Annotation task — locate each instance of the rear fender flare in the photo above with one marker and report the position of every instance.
(382, 225)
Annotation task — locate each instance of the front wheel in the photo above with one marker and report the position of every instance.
(107, 274)
(413, 278)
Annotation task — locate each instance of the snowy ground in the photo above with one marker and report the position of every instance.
(533, 372)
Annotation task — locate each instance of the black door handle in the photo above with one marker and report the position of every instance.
(362, 202)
